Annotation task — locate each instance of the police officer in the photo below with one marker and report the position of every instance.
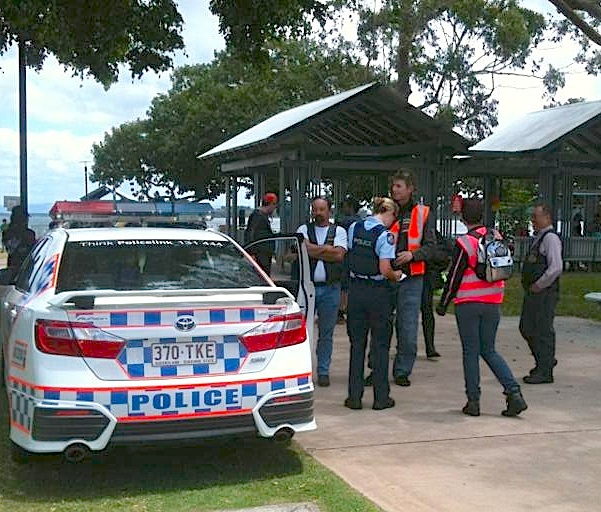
(371, 300)
(540, 279)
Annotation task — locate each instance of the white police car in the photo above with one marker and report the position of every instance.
(124, 335)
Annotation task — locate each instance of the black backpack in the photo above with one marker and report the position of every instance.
(441, 256)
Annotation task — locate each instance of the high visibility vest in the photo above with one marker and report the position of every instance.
(472, 288)
(419, 215)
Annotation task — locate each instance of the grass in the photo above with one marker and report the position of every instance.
(216, 476)
(573, 286)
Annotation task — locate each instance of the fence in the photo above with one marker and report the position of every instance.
(576, 249)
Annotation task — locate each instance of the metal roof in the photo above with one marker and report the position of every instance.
(283, 121)
(538, 130)
(371, 120)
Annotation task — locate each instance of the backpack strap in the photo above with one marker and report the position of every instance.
(474, 232)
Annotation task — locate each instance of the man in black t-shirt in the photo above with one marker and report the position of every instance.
(258, 228)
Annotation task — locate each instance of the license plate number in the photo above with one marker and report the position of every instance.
(177, 354)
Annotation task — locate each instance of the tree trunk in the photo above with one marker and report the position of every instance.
(403, 66)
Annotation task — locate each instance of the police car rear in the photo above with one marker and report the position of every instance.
(146, 335)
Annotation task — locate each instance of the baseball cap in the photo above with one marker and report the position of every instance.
(270, 198)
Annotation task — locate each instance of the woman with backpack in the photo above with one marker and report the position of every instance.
(478, 312)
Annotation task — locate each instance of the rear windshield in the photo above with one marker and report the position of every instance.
(152, 264)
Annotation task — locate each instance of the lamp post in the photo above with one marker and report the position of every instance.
(85, 170)
(23, 126)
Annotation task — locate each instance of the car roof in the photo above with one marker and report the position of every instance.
(94, 234)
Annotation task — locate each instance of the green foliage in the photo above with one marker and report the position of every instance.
(449, 51)
(517, 197)
(96, 36)
(210, 103)
(246, 25)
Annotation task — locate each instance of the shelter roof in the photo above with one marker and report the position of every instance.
(575, 128)
(361, 121)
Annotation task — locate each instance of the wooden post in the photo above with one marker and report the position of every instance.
(228, 204)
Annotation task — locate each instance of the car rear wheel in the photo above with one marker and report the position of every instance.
(18, 455)
(3, 371)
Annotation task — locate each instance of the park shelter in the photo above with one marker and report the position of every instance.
(368, 131)
(560, 148)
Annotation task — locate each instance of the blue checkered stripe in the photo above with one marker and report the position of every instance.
(184, 401)
(164, 318)
(136, 357)
(46, 277)
(22, 404)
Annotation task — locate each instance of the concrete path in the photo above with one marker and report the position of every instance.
(424, 455)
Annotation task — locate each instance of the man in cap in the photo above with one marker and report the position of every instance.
(258, 228)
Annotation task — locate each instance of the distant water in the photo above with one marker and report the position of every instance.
(39, 223)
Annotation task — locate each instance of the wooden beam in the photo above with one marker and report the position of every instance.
(359, 150)
(350, 165)
(247, 164)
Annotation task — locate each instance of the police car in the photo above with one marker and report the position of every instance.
(125, 335)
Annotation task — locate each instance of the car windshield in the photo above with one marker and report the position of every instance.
(152, 264)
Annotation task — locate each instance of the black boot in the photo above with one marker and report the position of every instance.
(472, 408)
(515, 404)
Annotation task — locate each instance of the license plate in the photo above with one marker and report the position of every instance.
(177, 354)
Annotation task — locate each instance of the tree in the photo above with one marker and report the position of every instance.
(582, 23)
(452, 51)
(94, 37)
(449, 51)
(246, 25)
(587, 24)
(91, 38)
(210, 103)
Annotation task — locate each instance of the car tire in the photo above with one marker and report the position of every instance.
(3, 372)
(18, 455)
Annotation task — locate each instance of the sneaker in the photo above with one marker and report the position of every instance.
(323, 381)
(538, 378)
(341, 319)
(432, 355)
(515, 404)
(386, 404)
(353, 404)
(472, 408)
(402, 380)
(369, 380)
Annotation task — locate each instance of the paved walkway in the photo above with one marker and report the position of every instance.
(424, 455)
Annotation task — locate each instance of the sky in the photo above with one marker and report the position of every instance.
(66, 115)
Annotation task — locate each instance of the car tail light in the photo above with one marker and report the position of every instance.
(276, 332)
(76, 339)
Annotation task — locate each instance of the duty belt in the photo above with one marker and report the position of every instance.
(376, 279)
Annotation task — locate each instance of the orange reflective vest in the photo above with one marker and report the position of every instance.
(472, 288)
(419, 215)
